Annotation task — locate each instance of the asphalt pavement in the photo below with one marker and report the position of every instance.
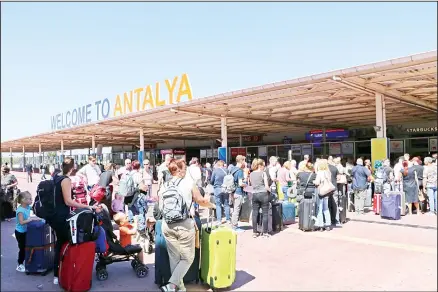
(366, 254)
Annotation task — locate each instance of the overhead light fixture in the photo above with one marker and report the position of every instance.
(173, 110)
(337, 78)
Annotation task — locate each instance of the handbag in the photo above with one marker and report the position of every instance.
(341, 179)
(326, 186)
(209, 189)
(300, 194)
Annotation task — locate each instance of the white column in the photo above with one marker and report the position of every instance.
(324, 141)
(93, 145)
(61, 157)
(380, 116)
(140, 154)
(40, 160)
(240, 140)
(24, 159)
(224, 134)
(141, 140)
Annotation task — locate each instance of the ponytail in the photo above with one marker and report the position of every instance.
(405, 168)
(18, 199)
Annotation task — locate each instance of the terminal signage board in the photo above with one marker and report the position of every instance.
(422, 129)
(238, 151)
(329, 134)
(171, 91)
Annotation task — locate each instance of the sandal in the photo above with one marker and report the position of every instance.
(255, 235)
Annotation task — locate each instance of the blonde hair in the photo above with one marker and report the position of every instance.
(118, 217)
(323, 165)
(240, 158)
(110, 166)
(256, 163)
(287, 165)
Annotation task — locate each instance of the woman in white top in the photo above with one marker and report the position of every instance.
(181, 236)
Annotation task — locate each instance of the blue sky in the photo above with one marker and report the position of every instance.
(57, 56)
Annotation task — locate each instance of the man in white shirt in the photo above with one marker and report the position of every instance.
(91, 171)
(124, 169)
(194, 172)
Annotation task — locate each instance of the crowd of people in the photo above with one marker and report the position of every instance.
(136, 212)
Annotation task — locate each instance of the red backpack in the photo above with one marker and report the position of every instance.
(97, 193)
(79, 192)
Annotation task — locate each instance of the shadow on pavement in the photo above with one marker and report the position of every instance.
(242, 278)
(395, 224)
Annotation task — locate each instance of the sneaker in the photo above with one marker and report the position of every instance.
(238, 230)
(21, 268)
(55, 281)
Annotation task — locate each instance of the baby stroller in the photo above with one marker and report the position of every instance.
(115, 252)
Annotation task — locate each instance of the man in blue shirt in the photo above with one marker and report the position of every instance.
(237, 172)
(221, 198)
(360, 184)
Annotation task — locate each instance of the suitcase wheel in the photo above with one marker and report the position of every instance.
(141, 271)
(102, 274)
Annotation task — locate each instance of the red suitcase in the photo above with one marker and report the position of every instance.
(76, 266)
(377, 203)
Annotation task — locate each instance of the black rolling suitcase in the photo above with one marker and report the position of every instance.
(277, 216)
(162, 264)
(307, 214)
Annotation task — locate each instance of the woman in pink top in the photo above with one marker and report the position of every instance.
(284, 177)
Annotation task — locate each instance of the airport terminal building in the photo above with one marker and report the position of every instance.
(376, 110)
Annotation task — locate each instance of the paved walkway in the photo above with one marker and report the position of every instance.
(367, 253)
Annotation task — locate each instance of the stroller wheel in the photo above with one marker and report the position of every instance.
(134, 264)
(141, 271)
(150, 249)
(102, 274)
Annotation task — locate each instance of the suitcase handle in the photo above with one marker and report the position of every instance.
(32, 250)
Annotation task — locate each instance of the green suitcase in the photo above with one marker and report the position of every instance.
(218, 256)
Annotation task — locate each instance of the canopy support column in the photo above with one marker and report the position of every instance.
(224, 137)
(141, 151)
(93, 145)
(380, 116)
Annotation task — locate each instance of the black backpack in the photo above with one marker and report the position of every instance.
(45, 200)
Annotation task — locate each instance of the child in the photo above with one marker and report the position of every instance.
(117, 204)
(126, 231)
(23, 200)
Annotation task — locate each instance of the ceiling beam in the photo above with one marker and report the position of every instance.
(249, 117)
(394, 94)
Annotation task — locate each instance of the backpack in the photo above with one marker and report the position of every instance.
(173, 206)
(83, 226)
(381, 174)
(229, 185)
(79, 193)
(45, 201)
(126, 185)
